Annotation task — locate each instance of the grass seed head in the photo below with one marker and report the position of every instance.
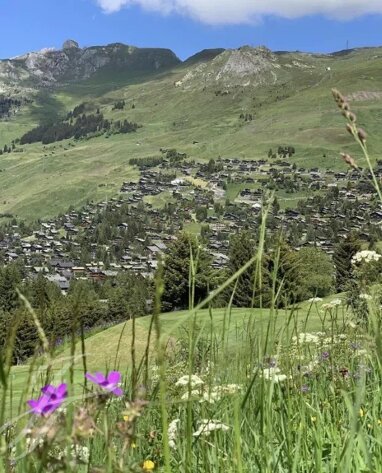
(350, 129)
(362, 135)
(349, 160)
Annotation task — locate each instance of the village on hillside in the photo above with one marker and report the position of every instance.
(216, 199)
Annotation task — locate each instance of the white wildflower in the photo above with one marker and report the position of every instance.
(332, 304)
(172, 432)
(207, 426)
(194, 381)
(190, 395)
(365, 297)
(361, 352)
(335, 302)
(365, 256)
(217, 392)
(315, 299)
(80, 453)
(273, 374)
(306, 338)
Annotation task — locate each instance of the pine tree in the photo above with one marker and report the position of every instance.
(343, 255)
(241, 250)
(176, 273)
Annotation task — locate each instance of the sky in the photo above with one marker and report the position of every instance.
(188, 26)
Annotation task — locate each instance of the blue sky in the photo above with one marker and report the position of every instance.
(187, 26)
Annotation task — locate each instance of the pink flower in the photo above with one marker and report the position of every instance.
(51, 399)
(110, 382)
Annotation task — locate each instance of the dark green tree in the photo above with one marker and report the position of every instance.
(342, 257)
(241, 250)
(177, 275)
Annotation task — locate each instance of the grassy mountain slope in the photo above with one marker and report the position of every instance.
(200, 101)
(112, 347)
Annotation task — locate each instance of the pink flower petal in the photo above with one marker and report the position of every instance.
(114, 377)
(117, 391)
(91, 378)
(48, 389)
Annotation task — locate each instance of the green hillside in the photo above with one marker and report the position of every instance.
(111, 348)
(194, 107)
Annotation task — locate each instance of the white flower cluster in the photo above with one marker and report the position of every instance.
(207, 426)
(212, 395)
(173, 432)
(306, 338)
(365, 297)
(273, 374)
(365, 256)
(194, 381)
(315, 300)
(80, 453)
(332, 304)
(217, 392)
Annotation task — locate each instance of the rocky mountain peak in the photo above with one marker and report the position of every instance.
(70, 44)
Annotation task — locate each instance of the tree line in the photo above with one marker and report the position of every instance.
(81, 127)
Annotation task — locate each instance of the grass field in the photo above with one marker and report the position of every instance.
(112, 347)
(246, 390)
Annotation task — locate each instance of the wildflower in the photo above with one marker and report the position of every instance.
(306, 338)
(344, 372)
(148, 465)
(207, 426)
(361, 412)
(361, 352)
(109, 383)
(313, 419)
(172, 432)
(51, 399)
(379, 421)
(194, 381)
(365, 297)
(335, 302)
(83, 424)
(325, 355)
(80, 453)
(217, 392)
(272, 374)
(271, 361)
(190, 395)
(315, 299)
(365, 256)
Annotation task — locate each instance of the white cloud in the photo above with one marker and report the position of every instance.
(247, 11)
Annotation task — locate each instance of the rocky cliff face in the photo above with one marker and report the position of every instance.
(244, 66)
(51, 67)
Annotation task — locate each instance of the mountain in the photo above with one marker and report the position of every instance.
(229, 103)
(72, 63)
